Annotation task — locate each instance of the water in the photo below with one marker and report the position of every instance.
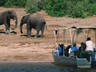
(39, 67)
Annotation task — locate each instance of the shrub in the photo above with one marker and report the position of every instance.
(77, 9)
(34, 5)
(2, 2)
(71, 8)
(12, 3)
(55, 7)
(93, 9)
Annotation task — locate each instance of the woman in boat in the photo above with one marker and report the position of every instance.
(89, 44)
(89, 49)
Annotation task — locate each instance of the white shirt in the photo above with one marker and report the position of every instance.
(70, 51)
(89, 45)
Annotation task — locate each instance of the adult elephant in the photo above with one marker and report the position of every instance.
(5, 18)
(35, 21)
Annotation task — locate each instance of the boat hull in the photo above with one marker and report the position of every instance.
(71, 61)
(62, 60)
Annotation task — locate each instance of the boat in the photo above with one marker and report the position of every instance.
(73, 60)
(63, 60)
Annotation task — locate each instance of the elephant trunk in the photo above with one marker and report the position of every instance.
(21, 27)
(16, 22)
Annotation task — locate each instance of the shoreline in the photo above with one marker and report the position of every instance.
(26, 61)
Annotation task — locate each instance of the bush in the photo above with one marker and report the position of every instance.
(77, 9)
(12, 3)
(55, 7)
(34, 5)
(58, 8)
(2, 2)
(93, 9)
(72, 8)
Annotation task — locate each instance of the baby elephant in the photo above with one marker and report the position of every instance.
(35, 21)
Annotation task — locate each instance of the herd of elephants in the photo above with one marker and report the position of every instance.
(34, 20)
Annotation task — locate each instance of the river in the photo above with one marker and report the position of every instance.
(39, 67)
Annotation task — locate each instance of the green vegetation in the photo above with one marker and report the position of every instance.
(13, 3)
(71, 8)
(58, 8)
(34, 5)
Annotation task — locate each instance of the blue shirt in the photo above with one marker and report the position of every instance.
(59, 50)
(74, 48)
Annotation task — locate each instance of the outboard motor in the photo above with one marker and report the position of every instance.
(93, 59)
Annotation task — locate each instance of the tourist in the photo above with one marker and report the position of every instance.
(67, 50)
(89, 50)
(59, 49)
(73, 48)
(82, 47)
(89, 44)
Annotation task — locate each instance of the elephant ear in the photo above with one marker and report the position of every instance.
(9, 11)
(11, 14)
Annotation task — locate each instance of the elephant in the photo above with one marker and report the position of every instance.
(35, 21)
(5, 18)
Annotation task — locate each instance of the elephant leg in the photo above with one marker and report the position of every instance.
(37, 35)
(28, 32)
(7, 28)
(7, 31)
(42, 32)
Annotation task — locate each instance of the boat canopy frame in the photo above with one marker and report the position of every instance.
(77, 31)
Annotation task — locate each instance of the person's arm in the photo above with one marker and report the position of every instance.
(69, 51)
(93, 45)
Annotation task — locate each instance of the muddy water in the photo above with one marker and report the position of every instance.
(39, 67)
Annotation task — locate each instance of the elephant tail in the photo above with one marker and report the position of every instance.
(45, 25)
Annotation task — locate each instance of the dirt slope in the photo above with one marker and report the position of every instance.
(15, 47)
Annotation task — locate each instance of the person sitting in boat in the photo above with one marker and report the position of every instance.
(89, 45)
(59, 49)
(82, 48)
(89, 49)
(73, 49)
(67, 50)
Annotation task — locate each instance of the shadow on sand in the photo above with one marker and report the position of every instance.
(32, 36)
(13, 32)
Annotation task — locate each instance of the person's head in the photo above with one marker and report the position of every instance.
(68, 47)
(74, 44)
(88, 38)
(61, 45)
(82, 43)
